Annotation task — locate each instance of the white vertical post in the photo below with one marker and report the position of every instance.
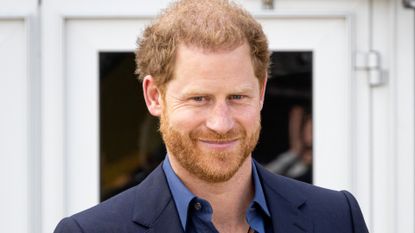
(53, 116)
(19, 151)
(404, 108)
(393, 119)
(381, 127)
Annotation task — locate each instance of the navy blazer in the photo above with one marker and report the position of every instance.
(295, 207)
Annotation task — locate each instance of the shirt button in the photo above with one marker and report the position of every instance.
(198, 206)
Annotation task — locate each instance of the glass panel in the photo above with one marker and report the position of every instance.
(131, 146)
(285, 145)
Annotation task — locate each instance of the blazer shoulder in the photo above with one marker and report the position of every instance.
(112, 215)
(133, 210)
(327, 209)
(356, 214)
(68, 225)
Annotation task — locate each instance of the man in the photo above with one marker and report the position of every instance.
(203, 65)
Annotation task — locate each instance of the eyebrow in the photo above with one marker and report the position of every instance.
(206, 93)
(202, 91)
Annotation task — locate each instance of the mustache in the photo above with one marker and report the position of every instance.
(210, 135)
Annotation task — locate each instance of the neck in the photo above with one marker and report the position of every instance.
(229, 199)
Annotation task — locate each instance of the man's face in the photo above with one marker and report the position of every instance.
(211, 111)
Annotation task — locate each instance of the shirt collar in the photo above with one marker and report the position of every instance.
(259, 196)
(182, 195)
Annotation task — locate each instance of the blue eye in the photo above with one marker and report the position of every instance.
(236, 97)
(198, 98)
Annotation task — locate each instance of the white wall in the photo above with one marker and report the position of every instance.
(14, 124)
(19, 118)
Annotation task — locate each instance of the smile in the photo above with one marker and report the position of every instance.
(219, 144)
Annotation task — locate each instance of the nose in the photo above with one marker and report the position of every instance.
(220, 118)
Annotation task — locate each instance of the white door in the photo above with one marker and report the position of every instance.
(332, 31)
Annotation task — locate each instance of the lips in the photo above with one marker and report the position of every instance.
(218, 144)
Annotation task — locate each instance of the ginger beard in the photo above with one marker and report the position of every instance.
(209, 165)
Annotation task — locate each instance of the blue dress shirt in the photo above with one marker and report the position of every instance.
(196, 213)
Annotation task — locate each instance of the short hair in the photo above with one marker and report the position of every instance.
(211, 25)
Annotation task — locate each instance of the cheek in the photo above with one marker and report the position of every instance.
(185, 120)
(249, 118)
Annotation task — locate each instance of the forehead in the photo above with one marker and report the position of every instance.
(214, 68)
(191, 55)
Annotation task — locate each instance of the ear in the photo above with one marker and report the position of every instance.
(264, 87)
(152, 96)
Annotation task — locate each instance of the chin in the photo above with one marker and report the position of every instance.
(216, 168)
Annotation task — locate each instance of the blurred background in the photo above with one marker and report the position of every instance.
(74, 129)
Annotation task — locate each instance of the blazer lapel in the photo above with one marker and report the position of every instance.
(154, 207)
(284, 203)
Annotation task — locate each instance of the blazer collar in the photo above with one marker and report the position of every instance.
(154, 207)
(285, 202)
